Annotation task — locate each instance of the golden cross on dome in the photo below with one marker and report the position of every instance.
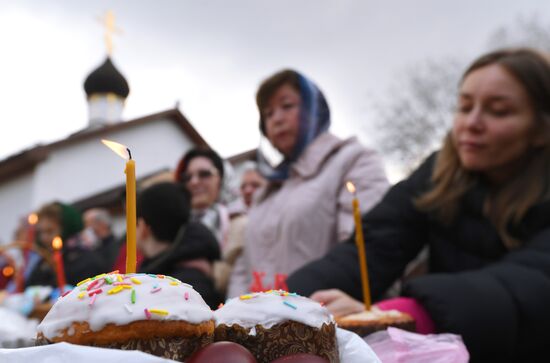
(110, 28)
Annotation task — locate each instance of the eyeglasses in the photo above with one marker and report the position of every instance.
(202, 174)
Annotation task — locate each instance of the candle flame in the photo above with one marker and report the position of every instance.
(57, 243)
(350, 186)
(33, 218)
(120, 149)
(7, 271)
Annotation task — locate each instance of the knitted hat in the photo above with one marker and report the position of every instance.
(165, 207)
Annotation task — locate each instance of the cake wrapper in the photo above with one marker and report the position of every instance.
(365, 330)
(283, 339)
(352, 349)
(174, 348)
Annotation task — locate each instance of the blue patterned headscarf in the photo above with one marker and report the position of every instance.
(314, 120)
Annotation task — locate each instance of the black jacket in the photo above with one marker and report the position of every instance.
(195, 242)
(108, 250)
(79, 264)
(497, 300)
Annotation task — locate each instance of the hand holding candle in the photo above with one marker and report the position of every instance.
(130, 171)
(360, 242)
(57, 244)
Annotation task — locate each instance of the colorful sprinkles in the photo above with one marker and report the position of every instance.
(115, 290)
(92, 301)
(94, 292)
(83, 281)
(91, 288)
(158, 311)
(281, 293)
(289, 304)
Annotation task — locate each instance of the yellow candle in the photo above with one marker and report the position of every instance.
(130, 172)
(130, 216)
(360, 242)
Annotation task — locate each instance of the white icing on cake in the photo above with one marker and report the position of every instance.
(371, 315)
(270, 308)
(164, 298)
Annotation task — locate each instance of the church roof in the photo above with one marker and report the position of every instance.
(106, 79)
(26, 160)
(249, 155)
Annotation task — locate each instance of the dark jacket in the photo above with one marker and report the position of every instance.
(195, 242)
(497, 300)
(108, 250)
(79, 264)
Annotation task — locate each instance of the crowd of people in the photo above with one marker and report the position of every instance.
(480, 205)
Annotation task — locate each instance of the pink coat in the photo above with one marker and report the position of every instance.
(299, 220)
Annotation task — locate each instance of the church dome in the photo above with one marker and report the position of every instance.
(106, 79)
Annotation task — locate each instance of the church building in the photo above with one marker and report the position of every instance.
(80, 170)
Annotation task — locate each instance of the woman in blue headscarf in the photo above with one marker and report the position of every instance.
(305, 207)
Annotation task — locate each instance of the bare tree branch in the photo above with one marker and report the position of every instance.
(417, 111)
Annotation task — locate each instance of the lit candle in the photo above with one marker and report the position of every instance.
(360, 242)
(8, 271)
(32, 219)
(57, 244)
(130, 171)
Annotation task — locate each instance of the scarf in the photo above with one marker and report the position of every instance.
(314, 120)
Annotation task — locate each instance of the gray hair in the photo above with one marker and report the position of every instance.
(100, 215)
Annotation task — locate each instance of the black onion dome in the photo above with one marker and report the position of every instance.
(106, 79)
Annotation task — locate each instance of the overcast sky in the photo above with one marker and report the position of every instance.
(210, 55)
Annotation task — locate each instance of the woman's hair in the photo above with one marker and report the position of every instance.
(66, 216)
(198, 152)
(51, 211)
(271, 85)
(510, 202)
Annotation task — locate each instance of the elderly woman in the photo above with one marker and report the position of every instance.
(482, 205)
(304, 209)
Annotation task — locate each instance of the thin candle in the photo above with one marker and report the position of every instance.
(130, 172)
(57, 244)
(360, 242)
(8, 271)
(32, 219)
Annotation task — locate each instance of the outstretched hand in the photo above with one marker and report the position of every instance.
(338, 302)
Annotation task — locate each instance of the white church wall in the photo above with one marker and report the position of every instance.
(86, 168)
(15, 203)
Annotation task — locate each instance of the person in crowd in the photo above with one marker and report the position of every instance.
(201, 172)
(8, 277)
(251, 181)
(98, 235)
(482, 205)
(172, 244)
(59, 219)
(304, 208)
